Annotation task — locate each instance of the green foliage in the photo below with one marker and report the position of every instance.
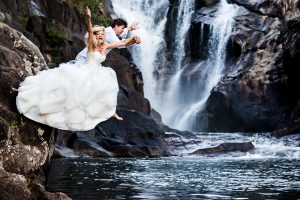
(24, 20)
(14, 130)
(13, 127)
(99, 11)
(55, 40)
(54, 37)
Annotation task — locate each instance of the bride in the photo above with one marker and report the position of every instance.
(74, 98)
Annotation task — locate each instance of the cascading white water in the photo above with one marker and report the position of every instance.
(185, 11)
(265, 146)
(152, 18)
(169, 100)
(35, 8)
(220, 29)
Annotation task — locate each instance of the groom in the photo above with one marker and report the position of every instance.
(116, 32)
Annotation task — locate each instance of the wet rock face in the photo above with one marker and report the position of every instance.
(225, 148)
(258, 91)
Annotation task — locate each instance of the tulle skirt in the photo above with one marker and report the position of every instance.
(72, 97)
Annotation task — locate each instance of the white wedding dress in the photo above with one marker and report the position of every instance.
(72, 97)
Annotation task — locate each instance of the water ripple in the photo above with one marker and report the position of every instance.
(176, 178)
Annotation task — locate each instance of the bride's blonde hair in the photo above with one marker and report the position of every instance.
(95, 29)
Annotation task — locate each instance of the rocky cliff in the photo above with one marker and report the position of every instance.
(259, 89)
(25, 146)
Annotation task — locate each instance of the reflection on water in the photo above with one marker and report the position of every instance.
(176, 178)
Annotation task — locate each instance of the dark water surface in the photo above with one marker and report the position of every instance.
(176, 178)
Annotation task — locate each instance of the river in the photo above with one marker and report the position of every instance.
(272, 172)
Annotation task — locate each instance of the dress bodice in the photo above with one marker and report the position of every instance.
(95, 58)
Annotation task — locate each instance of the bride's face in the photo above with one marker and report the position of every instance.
(100, 36)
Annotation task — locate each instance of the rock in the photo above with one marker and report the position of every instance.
(128, 76)
(137, 136)
(25, 59)
(13, 186)
(205, 3)
(258, 91)
(130, 99)
(56, 27)
(211, 144)
(156, 116)
(16, 187)
(62, 151)
(130, 81)
(205, 14)
(225, 148)
(19, 52)
(79, 144)
(23, 159)
(4, 133)
(90, 148)
(273, 8)
(39, 192)
(286, 131)
(25, 146)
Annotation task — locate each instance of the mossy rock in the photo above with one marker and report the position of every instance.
(99, 10)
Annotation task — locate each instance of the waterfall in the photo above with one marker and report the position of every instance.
(152, 18)
(177, 101)
(170, 100)
(185, 11)
(35, 8)
(220, 30)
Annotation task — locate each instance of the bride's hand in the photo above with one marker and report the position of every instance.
(88, 12)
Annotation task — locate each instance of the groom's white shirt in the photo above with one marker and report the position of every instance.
(111, 37)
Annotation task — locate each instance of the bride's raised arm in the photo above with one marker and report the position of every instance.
(91, 42)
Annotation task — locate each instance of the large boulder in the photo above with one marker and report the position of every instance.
(209, 144)
(130, 80)
(15, 187)
(25, 146)
(137, 136)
